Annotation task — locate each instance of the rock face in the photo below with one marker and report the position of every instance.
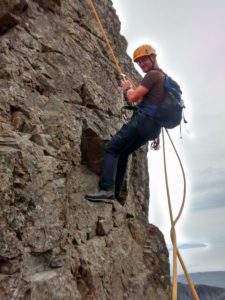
(60, 102)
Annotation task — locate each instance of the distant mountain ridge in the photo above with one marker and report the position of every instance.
(205, 292)
(215, 279)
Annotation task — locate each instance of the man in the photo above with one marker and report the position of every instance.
(138, 131)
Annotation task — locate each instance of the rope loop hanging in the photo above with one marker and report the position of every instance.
(173, 222)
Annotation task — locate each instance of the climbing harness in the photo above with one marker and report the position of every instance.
(155, 145)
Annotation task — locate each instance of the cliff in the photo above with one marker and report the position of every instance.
(60, 101)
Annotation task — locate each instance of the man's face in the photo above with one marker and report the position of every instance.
(145, 63)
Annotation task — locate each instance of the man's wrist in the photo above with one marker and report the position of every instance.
(130, 88)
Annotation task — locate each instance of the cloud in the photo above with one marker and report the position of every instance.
(209, 202)
(187, 246)
(208, 189)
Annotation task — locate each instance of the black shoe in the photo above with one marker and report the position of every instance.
(101, 196)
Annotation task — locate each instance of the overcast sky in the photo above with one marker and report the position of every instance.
(190, 42)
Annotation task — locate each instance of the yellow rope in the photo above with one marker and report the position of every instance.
(106, 37)
(118, 68)
(176, 253)
(116, 61)
(173, 222)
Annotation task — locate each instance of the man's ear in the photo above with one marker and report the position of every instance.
(152, 58)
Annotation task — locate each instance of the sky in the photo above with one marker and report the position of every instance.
(189, 38)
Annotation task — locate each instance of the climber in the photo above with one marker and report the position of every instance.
(137, 132)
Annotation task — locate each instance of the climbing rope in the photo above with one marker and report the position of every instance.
(123, 77)
(173, 222)
(116, 61)
(118, 68)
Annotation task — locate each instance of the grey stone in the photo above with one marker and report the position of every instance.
(104, 226)
(9, 11)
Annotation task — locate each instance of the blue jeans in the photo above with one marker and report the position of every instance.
(137, 132)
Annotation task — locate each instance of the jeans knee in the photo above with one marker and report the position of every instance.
(108, 149)
(112, 147)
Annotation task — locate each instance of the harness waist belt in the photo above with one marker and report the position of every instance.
(147, 109)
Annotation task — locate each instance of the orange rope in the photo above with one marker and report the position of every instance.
(173, 223)
(106, 37)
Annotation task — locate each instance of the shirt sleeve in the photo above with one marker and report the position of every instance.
(151, 78)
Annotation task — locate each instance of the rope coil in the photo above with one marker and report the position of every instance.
(173, 222)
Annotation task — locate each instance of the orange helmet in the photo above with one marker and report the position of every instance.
(143, 50)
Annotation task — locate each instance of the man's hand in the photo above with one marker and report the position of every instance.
(137, 94)
(126, 85)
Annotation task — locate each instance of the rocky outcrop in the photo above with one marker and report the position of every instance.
(60, 102)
